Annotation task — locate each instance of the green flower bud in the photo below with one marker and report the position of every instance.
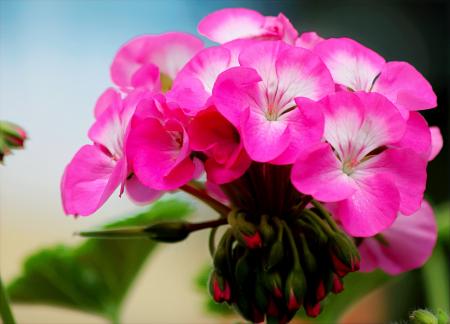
(222, 254)
(219, 288)
(245, 232)
(168, 232)
(12, 136)
(422, 316)
(272, 282)
(307, 256)
(295, 289)
(343, 253)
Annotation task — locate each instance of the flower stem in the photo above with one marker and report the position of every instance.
(319, 221)
(212, 241)
(203, 196)
(325, 214)
(5, 310)
(293, 245)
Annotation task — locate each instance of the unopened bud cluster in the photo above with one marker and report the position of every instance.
(268, 267)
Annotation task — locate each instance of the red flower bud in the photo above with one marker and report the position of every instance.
(344, 254)
(338, 285)
(321, 292)
(219, 288)
(252, 241)
(12, 136)
(312, 310)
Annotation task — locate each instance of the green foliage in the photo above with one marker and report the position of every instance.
(95, 275)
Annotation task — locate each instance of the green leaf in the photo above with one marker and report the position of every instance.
(95, 275)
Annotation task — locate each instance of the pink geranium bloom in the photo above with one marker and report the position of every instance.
(405, 246)
(308, 40)
(258, 99)
(218, 139)
(98, 169)
(141, 62)
(240, 23)
(193, 85)
(358, 68)
(358, 168)
(158, 145)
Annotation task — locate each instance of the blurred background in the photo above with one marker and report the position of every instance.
(54, 62)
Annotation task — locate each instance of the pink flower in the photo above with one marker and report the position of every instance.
(158, 145)
(406, 245)
(258, 99)
(193, 85)
(212, 134)
(308, 40)
(358, 68)
(368, 180)
(98, 169)
(149, 61)
(239, 23)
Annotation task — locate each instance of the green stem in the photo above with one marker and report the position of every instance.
(5, 310)
(325, 214)
(319, 221)
(212, 241)
(203, 196)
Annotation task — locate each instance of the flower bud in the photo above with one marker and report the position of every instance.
(338, 285)
(272, 282)
(12, 136)
(242, 269)
(307, 256)
(247, 309)
(168, 232)
(219, 288)
(344, 255)
(295, 289)
(276, 254)
(245, 232)
(221, 256)
(312, 310)
(422, 316)
(321, 291)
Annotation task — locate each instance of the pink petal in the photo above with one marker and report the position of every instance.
(89, 180)
(223, 173)
(320, 175)
(350, 63)
(280, 28)
(301, 73)
(231, 23)
(154, 153)
(401, 83)
(108, 131)
(274, 132)
(406, 169)
(371, 209)
(193, 84)
(410, 239)
(417, 135)
(216, 192)
(233, 91)
(148, 77)
(308, 40)
(139, 193)
(108, 98)
(436, 142)
(306, 126)
(169, 52)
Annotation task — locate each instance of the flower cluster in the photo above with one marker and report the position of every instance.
(311, 148)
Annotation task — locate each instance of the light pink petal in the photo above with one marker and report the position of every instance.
(274, 132)
(89, 180)
(139, 193)
(371, 209)
(169, 52)
(154, 151)
(436, 142)
(193, 84)
(406, 169)
(110, 97)
(383, 123)
(233, 92)
(410, 239)
(319, 174)
(108, 131)
(417, 135)
(301, 73)
(280, 28)
(401, 83)
(308, 40)
(350, 63)
(306, 126)
(344, 116)
(216, 192)
(231, 23)
(147, 77)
